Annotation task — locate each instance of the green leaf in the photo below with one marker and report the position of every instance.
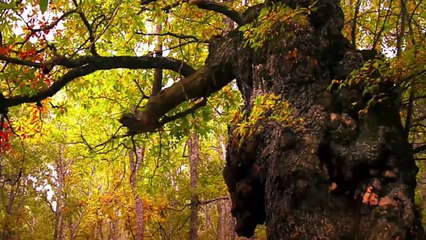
(4, 6)
(43, 5)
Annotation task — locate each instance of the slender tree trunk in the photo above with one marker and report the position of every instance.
(354, 22)
(207, 217)
(401, 30)
(114, 229)
(228, 219)
(135, 164)
(222, 205)
(158, 74)
(59, 233)
(194, 159)
(231, 222)
(221, 223)
(13, 188)
(100, 231)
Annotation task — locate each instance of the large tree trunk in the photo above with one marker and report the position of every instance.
(339, 167)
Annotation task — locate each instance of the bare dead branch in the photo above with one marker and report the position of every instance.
(54, 23)
(206, 202)
(166, 8)
(180, 36)
(219, 8)
(206, 5)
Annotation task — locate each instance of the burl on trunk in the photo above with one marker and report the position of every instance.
(312, 156)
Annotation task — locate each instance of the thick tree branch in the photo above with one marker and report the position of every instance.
(87, 65)
(202, 83)
(213, 200)
(20, 62)
(54, 88)
(218, 71)
(219, 8)
(410, 109)
(130, 62)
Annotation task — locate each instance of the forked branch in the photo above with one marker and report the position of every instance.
(218, 72)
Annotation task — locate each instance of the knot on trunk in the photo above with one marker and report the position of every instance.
(245, 180)
(364, 150)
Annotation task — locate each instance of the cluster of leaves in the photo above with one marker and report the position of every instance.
(371, 79)
(266, 108)
(369, 76)
(384, 25)
(96, 193)
(5, 134)
(272, 22)
(408, 66)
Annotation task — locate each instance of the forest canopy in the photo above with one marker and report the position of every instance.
(118, 117)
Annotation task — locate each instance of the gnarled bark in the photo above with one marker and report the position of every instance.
(342, 174)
